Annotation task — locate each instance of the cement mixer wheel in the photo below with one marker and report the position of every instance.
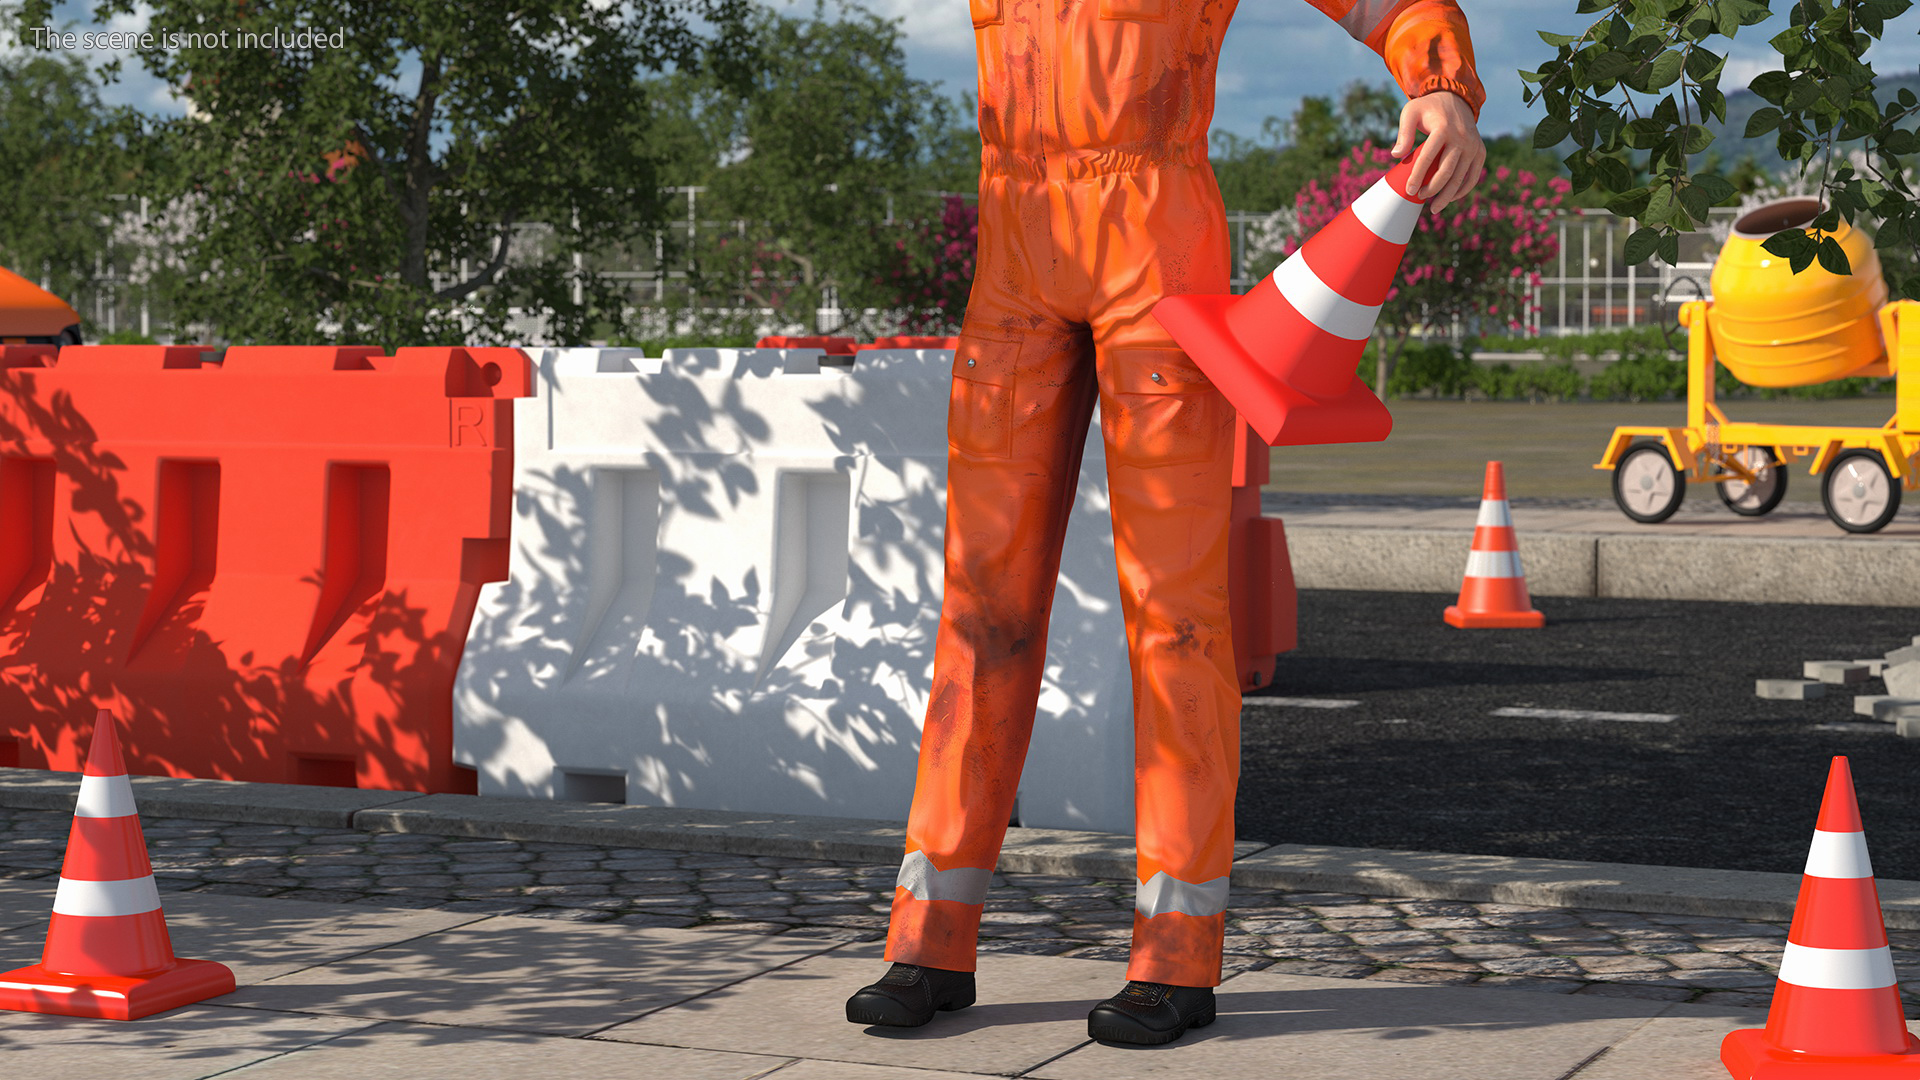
(1859, 492)
(1764, 493)
(1646, 486)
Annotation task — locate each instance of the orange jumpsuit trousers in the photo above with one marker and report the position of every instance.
(1097, 199)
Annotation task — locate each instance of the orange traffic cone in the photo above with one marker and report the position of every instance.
(107, 952)
(1285, 354)
(1494, 591)
(1836, 1007)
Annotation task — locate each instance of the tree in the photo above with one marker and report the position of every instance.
(932, 272)
(1644, 78)
(1473, 263)
(414, 171)
(63, 158)
(1266, 177)
(828, 140)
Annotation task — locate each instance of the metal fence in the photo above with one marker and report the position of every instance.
(1589, 287)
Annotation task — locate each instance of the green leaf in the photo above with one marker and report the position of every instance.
(1669, 249)
(1718, 189)
(1704, 64)
(1659, 205)
(1789, 42)
(1664, 70)
(1793, 245)
(1630, 203)
(1833, 258)
(1697, 139)
(1641, 245)
(1726, 19)
(1614, 174)
(1772, 86)
(1761, 122)
(1715, 102)
(1694, 200)
(1642, 134)
(1832, 56)
(1609, 66)
(1550, 132)
(1557, 40)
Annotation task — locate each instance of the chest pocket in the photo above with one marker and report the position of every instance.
(986, 13)
(1141, 10)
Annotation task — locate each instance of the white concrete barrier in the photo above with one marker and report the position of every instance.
(725, 589)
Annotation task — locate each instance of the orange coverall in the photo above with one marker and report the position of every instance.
(1096, 199)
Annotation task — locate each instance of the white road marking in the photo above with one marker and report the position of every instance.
(1587, 714)
(1298, 702)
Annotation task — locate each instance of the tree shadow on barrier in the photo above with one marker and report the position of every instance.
(107, 579)
(796, 682)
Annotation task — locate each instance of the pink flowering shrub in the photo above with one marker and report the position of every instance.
(931, 271)
(1474, 262)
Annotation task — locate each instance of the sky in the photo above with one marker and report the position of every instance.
(1277, 52)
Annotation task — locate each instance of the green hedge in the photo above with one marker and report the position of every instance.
(1644, 372)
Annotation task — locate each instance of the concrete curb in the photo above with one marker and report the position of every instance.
(1881, 572)
(1472, 878)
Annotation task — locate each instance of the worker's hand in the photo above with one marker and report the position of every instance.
(1452, 140)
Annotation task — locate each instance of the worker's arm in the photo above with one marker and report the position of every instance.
(1429, 53)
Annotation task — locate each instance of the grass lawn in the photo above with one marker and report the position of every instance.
(1441, 447)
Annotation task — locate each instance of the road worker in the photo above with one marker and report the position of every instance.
(1096, 199)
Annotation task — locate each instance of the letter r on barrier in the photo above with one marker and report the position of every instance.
(469, 425)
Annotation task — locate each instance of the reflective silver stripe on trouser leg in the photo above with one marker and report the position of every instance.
(1162, 893)
(967, 884)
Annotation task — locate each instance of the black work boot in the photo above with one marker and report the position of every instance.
(908, 996)
(1148, 1014)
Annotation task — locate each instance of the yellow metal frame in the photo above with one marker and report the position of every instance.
(1704, 448)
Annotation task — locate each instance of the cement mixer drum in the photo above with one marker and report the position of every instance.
(1773, 327)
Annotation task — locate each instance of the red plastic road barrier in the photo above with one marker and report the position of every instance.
(1261, 597)
(265, 566)
(834, 346)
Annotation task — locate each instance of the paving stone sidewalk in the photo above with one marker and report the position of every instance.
(1399, 939)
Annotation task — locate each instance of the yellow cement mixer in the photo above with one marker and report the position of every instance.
(1772, 328)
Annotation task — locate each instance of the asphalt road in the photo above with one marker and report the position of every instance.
(1420, 764)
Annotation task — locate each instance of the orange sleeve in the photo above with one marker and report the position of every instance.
(1427, 48)
(1424, 42)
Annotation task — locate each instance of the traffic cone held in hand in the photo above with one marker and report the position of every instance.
(1836, 1007)
(1494, 591)
(107, 952)
(1285, 354)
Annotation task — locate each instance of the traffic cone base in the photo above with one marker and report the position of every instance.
(1282, 415)
(113, 997)
(1748, 1056)
(1494, 620)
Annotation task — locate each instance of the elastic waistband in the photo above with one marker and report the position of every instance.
(1086, 164)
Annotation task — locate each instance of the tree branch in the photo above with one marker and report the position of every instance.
(488, 273)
